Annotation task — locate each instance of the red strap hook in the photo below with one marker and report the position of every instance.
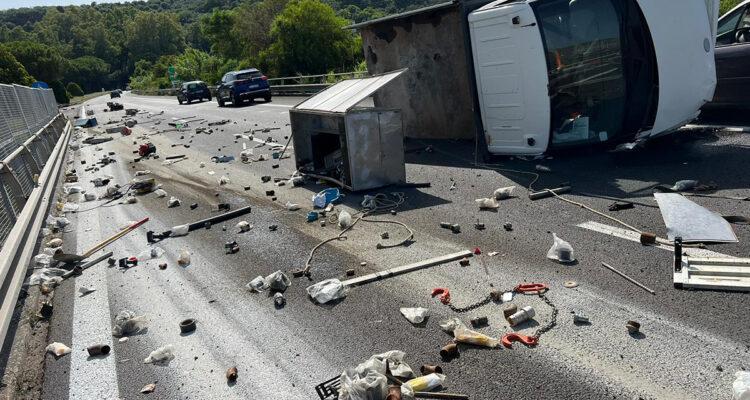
(527, 288)
(509, 338)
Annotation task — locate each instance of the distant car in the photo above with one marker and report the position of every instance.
(196, 90)
(238, 86)
(115, 93)
(733, 59)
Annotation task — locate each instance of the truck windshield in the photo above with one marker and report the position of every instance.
(586, 71)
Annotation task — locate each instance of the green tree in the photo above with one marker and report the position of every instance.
(150, 35)
(217, 28)
(12, 71)
(91, 71)
(252, 25)
(727, 5)
(41, 61)
(309, 39)
(74, 90)
(61, 95)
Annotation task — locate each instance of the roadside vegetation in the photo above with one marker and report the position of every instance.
(106, 46)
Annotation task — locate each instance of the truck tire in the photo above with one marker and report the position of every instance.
(220, 101)
(267, 98)
(236, 100)
(179, 101)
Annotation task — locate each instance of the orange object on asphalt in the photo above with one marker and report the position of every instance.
(527, 288)
(445, 294)
(509, 338)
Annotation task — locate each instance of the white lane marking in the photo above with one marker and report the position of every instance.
(626, 234)
(96, 377)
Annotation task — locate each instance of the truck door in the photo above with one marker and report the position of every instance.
(511, 78)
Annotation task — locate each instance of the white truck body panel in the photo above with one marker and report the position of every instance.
(512, 72)
(684, 38)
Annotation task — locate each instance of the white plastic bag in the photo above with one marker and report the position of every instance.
(180, 230)
(277, 281)
(162, 354)
(487, 204)
(150, 254)
(223, 180)
(345, 219)
(58, 349)
(173, 202)
(184, 259)
(415, 315)
(127, 323)
(56, 242)
(327, 290)
(369, 386)
(160, 193)
(244, 226)
(47, 276)
(258, 284)
(561, 251)
(741, 386)
(504, 193)
(291, 206)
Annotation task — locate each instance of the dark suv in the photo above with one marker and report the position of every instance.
(238, 86)
(195, 90)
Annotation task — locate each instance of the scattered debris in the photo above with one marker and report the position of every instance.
(631, 280)
(580, 319)
(561, 251)
(184, 259)
(487, 204)
(415, 315)
(713, 273)
(98, 350)
(524, 314)
(570, 284)
(741, 386)
(504, 193)
(128, 323)
(58, 349)
(162, 354)
(278, 300)
(188, 325)
(148, 388)
(633, 327)
(173, 202)
(327, 290)
(455, 228)
(619, 206)
(692, 222)
(407, 268)
(84, 290)
(231, 374)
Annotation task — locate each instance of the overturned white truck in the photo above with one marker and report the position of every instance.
(534, 76)
(556, 73)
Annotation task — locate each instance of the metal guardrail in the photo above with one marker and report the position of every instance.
(28, 177)
(302, 85)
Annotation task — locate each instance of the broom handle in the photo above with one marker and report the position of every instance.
(116, 236)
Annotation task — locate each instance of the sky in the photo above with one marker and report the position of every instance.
(6, 4)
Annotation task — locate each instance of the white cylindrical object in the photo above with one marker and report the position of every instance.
(522, 315)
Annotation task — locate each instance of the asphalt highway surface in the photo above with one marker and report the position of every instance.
(689, 346)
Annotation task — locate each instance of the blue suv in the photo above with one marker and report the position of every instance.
(238, 86)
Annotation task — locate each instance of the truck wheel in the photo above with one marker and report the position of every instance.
(267, 98)
(236, 100)
(179, 101)
(220, 101)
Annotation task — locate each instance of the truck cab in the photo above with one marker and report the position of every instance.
(553, 74)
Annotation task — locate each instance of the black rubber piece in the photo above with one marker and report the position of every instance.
(187, 325)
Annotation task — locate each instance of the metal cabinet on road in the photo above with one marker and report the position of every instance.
(362, 147)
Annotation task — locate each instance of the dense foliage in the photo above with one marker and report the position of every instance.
(107, 46)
